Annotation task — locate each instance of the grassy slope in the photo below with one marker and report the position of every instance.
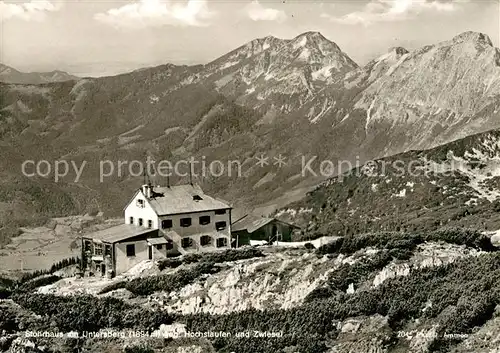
(360, 201)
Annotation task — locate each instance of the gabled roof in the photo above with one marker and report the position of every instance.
(183, 199)
(132, 199)
(119, 233)
(251, 223)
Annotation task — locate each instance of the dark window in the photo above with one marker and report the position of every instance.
(221, 242)
(220, 225)
(204, 220)
(166, 223)
(186, 242)
(205, 240)
(169, 246)
(131, 220)
(98, 249)
(159, 246)
(185, 222)
(150, 223)
(107, 250)
(220, 211)
(140, 203)
(140, 221)
(130, 250)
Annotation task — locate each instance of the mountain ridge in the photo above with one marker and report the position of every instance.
(452, 185)
(11, 75)
(315, 103)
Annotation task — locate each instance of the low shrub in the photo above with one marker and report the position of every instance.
(139, 349)
(5, 292)
(215, 257)
(309, 246)
(113, 286)
(232, 255)
(6, 287)
(396, 240)
(89, 313)
(169, 263)
(169, 282)
(463, 295)
(347, 274)
(8, 320)
(471, 238)
(358, 272)
(34, 283)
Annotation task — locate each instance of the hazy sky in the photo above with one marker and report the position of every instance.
(98, 37)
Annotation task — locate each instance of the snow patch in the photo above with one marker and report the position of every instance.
(395, 66)
(268, 76)
(302, 43)
(369, 112)
(324, 109)
(292, 212)
(305, 55)
(325, 72)
(345, 117)
(154, 99)
(402, 193)
(229, 64)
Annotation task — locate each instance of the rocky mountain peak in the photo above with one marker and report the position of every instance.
(392, 56)
(474, 37)
(267, 41)
(398, 51)
(4, 69)
(314, 39)
(258, 45)
(322, 55)
(436, 86)
(312, 35)
(269, 38)
(246, 51)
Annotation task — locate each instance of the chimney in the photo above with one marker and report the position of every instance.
(146, 190)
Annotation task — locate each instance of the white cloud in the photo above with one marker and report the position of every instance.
(146, 13)
(31, 10)
(257, 12)
(394, 10)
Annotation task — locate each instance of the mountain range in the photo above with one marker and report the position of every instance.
(301, 98)
(11, 75)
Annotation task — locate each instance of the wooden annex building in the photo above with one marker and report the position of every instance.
(252, 228)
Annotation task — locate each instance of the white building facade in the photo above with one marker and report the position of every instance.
(159, 222)
(183, 214)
